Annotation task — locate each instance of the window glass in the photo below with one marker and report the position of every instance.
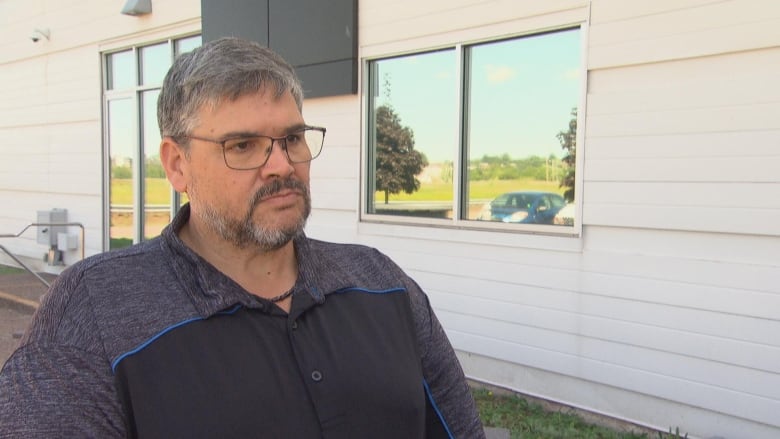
(138, 208)
(185, 45)
(155, 61)
(521, 94)
(502, 137)
(157, 190)
(414, 135)
(120, 70)
(121, 141)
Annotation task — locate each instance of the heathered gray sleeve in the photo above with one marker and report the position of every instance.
(443, 374)
(442, 371)
(59, 384)
(57, 392)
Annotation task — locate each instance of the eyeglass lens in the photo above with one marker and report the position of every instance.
(253, 152)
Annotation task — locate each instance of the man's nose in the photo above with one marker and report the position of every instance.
(278, 162)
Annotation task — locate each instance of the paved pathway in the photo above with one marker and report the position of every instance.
(496, 433)
(13, 322)
(19, 296)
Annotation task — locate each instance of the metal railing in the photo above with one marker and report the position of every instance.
(30, 270)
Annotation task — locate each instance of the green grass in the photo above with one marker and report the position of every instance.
(117, 243)
(529, 420)
(158, 191)
(5, 269)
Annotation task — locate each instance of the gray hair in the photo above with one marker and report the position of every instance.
(227, 68)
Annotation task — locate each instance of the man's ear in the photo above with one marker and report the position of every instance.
(174, 161)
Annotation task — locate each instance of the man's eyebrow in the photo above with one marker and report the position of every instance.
(296, 127)
(240, 134)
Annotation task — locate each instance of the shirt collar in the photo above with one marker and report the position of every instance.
(212, 291)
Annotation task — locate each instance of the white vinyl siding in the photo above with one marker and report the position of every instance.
(50, 128)
(50, 114)
(664, 310)
(625, 33)
(694, 147)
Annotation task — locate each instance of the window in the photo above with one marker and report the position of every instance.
(139, 198)
(476, 134)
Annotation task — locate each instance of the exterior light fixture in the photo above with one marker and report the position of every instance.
(137, 7)
(37, 34)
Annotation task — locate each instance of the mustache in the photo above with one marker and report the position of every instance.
(277, 186)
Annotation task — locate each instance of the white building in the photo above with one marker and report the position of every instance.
(660, 305)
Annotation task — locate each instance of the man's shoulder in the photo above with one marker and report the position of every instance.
(353, 265)
(337, 249)
(146, 253)
(349, 254)
(132, 276)
(82, 301)
(115, 268)
(122, 296)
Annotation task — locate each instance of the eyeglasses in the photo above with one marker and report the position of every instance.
(245, 153)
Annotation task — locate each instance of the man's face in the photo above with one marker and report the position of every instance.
(264, 207)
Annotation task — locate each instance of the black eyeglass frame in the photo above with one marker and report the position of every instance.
(282, 140)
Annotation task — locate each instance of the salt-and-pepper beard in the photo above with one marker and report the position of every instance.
(244, 232)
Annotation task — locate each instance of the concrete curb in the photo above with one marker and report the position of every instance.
(496, 433)
(19, 303)
(22, 291)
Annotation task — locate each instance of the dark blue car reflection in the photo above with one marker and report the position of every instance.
(528, 207)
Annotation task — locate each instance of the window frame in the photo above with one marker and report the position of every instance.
(135, 94)
(372, 223)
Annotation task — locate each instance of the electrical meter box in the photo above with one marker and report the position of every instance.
(47, 233)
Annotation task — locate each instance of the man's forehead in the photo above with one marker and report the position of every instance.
(219, 102)
(289, 115)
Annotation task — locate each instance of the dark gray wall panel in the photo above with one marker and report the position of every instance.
(237, 18)
(313, 31)
(329, 79)
(318, 37)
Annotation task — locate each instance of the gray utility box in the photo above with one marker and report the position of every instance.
(47, 235)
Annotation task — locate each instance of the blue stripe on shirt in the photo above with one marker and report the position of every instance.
(436, 409)
(151, 340)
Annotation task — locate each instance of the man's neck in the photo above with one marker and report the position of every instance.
(264, 273)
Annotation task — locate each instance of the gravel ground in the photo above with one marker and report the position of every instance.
(13, 322)
(19, 294)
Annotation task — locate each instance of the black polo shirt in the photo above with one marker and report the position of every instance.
(152, 341)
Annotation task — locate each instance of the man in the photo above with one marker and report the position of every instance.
(233, 323)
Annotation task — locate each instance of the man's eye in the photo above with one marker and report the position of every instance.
(293, 139)
(241, 145)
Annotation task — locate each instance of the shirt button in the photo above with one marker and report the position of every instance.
(294, 325)
(316, 376)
